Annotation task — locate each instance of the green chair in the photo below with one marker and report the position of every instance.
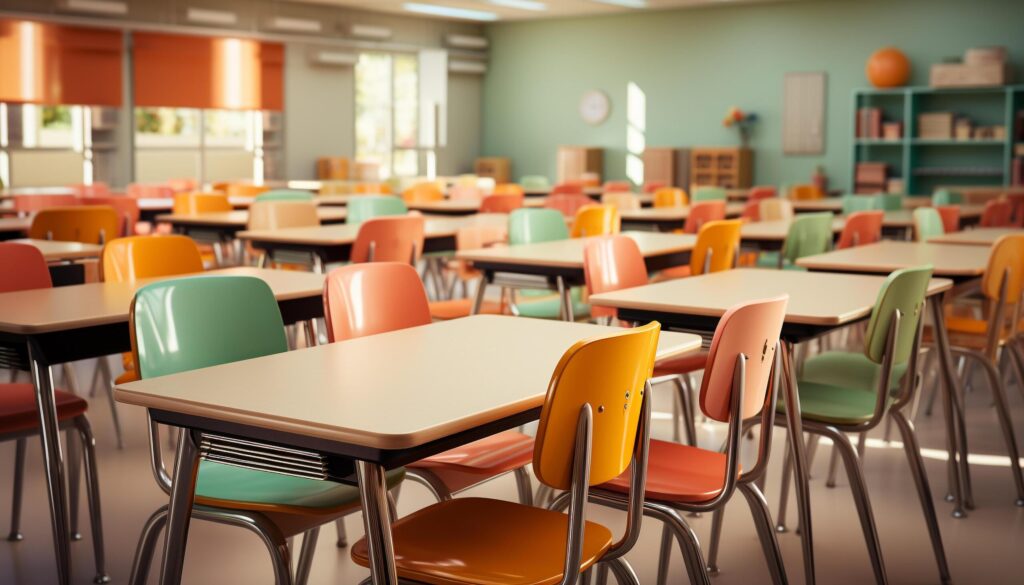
(285, 195)
(946, 197)
(890, 202)
(708, 194)
(851, 392)
(927, 224)
(364, 207)
(809, 234)
(532, 226)
(855, 203)
(192, 323)
(534, 183)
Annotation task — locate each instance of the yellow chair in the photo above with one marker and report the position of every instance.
(193, 203)
(244, 189)
(595, 220)
(717, 248)
(423, 193)
(88, 224)
(508, 189)
(670, 197)
(596, 411)
(805, 192)
(371, 189)
(621, 201)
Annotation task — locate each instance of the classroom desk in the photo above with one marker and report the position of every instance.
(976, 237)
(151, 207)
(666, 218)
(222, 226)
(558, 265)
(14, 227)
(764, 236)
(833, 204)
(64, 259)
(453, 388)
(459, 206)
(818, 303)
(45, 327)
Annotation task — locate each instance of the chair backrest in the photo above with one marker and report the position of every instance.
(1017, 205)
(138, 257)
(855, 203)
(927, 224)
(609, 374)
(950, 215)
(531, 225)
(596, 220)
(474, 237)
(367, 207)
(22, 267)
(465, 193)
(751, 329)
(751, 211)
(670, 197)
(193, 203)
(190, 323)
(89, 224)
(285, 195)
(702, 212)
(177, 185)
(1005, 260)
(862, 227)
(709, 194)
(282, 213)
(721, 241)
(389, 239)
(809, 234)
(997, 213)
(126, 207)
(621, 201)
(612, 263)
(567, 188)
(617, 187)
(96, 189)
(244, 189)
(423, 193)
(33, 203)
(947, 197)
(652, 186)
(567, 203)
(508, 189)
(372, 298)
(149, 191)
(761, 192)
(371, 189)
(534, 182)
(805, 192)
(501, 203)
(903, 290)
(890, 202)
(775, 209)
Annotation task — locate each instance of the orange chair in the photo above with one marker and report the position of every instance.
(476, 540)
(371, 189)
(508, 189)
(997, 213)
(397, 238)
(367, 299)
(32, 203)
(805, 192)
(89, 224)
(193, 203)
(126, 207)
(617, 187)
(501, 203)
(950, 215)
(567, 203)
(244, 189)
(703, 212)
(652, 186)
(423, 193)
(861, 227)
(595, 220)
(717, 249)
(621, 201)
(23, 268)
(670, 197)
(761, 192)
(470, 238)
(569, 188)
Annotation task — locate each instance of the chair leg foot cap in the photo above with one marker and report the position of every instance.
(342, 543)
(780, 529)
(830, 484)
(959, 514)
(949, 497)
(713, 569)
(76, 536)
(101, 578)
(1020, 502)
(15, 537)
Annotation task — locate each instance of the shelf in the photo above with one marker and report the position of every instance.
(958, 172)
(954, 142)
(878, 142)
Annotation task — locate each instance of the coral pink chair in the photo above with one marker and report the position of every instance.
(33, 203)
(126, 207)
(465, 193)
(617, 187)
(471, 237)
(397, 238)
(751, 211)
(367, 299)
(182, 185)
(501, 203)
(950, 215)
(703, 212)
(861, 227)
(761, 192)
(567, 188)
(147, 191)
(93, 190)
(652, 186)
(567, 203)
(997, 213)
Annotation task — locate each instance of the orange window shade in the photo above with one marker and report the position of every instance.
(205, 72)
(44, 63)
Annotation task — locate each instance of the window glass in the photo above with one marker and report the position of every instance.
(387, 112)
(228, 128)
(166, 127)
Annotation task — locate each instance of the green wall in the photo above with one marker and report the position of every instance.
(695, 63)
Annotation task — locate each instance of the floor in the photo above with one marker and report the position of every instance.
(984, 548)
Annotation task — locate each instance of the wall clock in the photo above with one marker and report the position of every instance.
(595, 107)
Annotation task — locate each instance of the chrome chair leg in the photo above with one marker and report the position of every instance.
(118, 433)
(689, 544)
(147, 546)
(691, 407)
(306, 555)
(664, 555)
(524, 486)
(716, 535)
(787, 472)
(339, 525)
(74, 467)
(833, 467)
(19, 485)
(999, 395)
(427, 480)
(677, 414)
(602, 574)
(1017, 357)
(92, 490)
(624, 573)
(763, 524)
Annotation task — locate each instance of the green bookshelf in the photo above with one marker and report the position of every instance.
(925, 164)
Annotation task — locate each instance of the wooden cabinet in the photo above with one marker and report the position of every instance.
(497, 168)
(729, 168)
(579, 162)
(667, 164)
(332, 168)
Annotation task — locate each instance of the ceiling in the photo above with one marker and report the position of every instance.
(507, 10)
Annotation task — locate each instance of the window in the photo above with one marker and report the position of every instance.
(387, 113)
(41, 144)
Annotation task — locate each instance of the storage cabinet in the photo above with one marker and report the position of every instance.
(665, 164)
(729, 168)
(497, 168)
(579, 162)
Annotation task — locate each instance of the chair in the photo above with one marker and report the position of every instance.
(501, 203)
(465, 193)
(890, 202)
(150, 191)
(371, 189)
(670, 197)
(367, 207)
(651, 186)
(946, 197)
(422, 193)
(596, 220)
(621, 201)
(476, 540)
(709, 194)
(97, 189)
(855, 203)
(950, 215)
(275, 214)
(809, 234)
(471, 237)
(531, 226)
(534, 183)
(389, 239)
(861, 227)
(284, 195)
(761, 192)
(192, 323)
(23, 268)
(89, 224)
(24, 204)
(997, 213)
(702, 212)
(927, 224)
(739, 384)
(567, 203)
(617, 187)
(508, 189)
(1017, 205)
(179, 185)
(805, 192)
(751, 211)
(193, 203)
(126, 207)
(775, 209)
(244, 189)
(567, 188)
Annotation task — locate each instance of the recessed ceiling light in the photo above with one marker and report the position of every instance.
(521, 4)
(626, 3)
(449, 12)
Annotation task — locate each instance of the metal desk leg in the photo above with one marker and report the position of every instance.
(481, 290)
(179, 513)
(799, 459)
(53, 463)
(373, 492)
(565, 296)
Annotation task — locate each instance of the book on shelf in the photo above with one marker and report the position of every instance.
(869, 123)
(1018, 171)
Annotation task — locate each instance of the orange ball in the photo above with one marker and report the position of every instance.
(888, 67)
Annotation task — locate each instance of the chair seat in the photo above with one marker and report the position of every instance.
(550, 306)
(964, 339)
(227, 486)
(683, 364)
(486, 542)
(126, 376)
(771, 260)
(848, 369)
(470, 464)
(678, 473)
(18, 410)
(831, 404)
(456, 308)
(672, 273)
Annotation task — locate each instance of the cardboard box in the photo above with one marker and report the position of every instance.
(964, 75)
(892, 130)
(963, 130)
(935, 125)
(895, 187)
(985, 55)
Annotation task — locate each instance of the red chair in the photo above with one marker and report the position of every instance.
(465, 193)
(652, 186)
(126, 207)
(1017, 202)
(148, 191)
(22, 267)
(397, 238)
(567, 188)
(34, 203)
(703, 212)
(617, 187)
(950, 215)
(501, 203)
(367, 299)
(751, 210)
(997, 213)
(861, 227)
(93, 190)
(567, 203)
(761, 192)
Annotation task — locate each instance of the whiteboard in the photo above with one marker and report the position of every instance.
(803, 114)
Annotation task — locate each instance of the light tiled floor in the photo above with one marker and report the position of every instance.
(985, 548)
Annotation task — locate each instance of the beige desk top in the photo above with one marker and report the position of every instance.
(833, 204)
(239, 218)
(167, 203)
(976, 237)
(340, 234)
(904, 218)
(888, 255)
(775, 230)
(56, 251)
(69, 307)
(655, 214)
(14, 224)
(815, 298)
(569, 253)
(455, 375)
